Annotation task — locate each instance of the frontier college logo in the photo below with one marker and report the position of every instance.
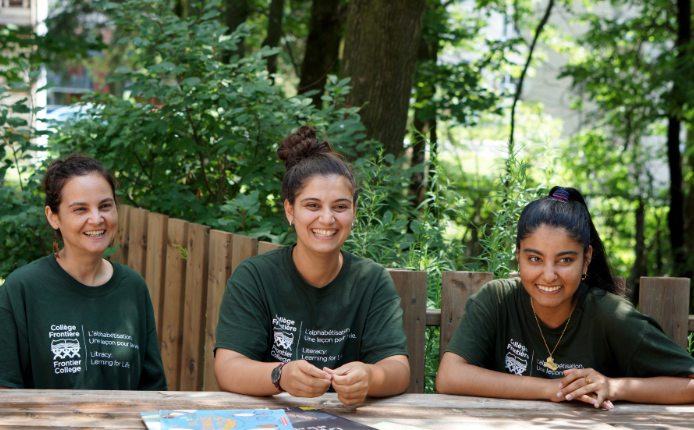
(65, 348)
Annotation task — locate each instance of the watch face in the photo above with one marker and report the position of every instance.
(276, 373)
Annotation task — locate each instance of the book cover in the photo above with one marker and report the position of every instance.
(315, 419)
(151, 419)
(246, 419)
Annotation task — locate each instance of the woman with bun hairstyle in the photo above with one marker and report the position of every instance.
(561, 331)
(310, 317)
(73, 320)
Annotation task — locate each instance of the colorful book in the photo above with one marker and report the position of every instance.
(151, 419)
(243, 419)
(315, 419)
(392, 426)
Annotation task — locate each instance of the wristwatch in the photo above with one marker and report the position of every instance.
(276, 375)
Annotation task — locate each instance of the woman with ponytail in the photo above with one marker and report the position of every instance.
(310, 317)
(561, 331)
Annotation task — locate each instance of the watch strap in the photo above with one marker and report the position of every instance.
(279, 368)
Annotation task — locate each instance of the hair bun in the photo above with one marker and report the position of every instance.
(302, 144)
(566, 194)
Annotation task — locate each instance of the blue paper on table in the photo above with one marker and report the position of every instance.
(245, 419)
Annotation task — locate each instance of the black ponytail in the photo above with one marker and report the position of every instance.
(566, 208)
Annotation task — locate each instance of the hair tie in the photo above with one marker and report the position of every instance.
(561, 194)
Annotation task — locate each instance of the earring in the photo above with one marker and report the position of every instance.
(56, 248)
(585, 275)
(290, 223)
(352, 225)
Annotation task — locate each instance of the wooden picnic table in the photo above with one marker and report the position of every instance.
(62, 409)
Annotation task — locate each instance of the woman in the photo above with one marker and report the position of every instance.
(561, 331)
(308, 317)
(73, 320)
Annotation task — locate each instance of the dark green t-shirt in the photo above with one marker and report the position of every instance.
(499, 332)
(269, 313)
(58, 333)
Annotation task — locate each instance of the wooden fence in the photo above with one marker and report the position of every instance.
(186, 267)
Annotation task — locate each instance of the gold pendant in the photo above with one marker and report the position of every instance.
(550, 364)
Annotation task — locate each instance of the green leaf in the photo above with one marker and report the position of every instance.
(16, 122)
(190, 82)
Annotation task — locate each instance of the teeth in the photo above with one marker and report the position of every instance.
(548, 289)
(95, 233)
(324, 233)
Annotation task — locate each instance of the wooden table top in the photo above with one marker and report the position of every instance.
(55, 409)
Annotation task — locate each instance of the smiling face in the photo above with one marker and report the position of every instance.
(322, 213)
(87, 216)
(551, 265)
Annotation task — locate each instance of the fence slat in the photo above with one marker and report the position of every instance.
(412, 288)
(218, 273)
(137, 240)
(456, 288)
(122, 234)
(264, 247)
(157, 226)
(667, 301)
(177, 235)
(243, 247)
(193, 340)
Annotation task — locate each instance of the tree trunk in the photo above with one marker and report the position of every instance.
(676, 214)
(637, 270)
(424, 122)
(380, 55)
(322, 47)
(274, 32)
(237, 13)
(689, 204)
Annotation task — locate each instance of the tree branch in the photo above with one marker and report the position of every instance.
(519, 89)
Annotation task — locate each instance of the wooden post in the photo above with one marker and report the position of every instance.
(243, 247)
(264, 247)
(137, 240)
(667, 301)
(412, 288)
(193, 339)
(174, 299)
(456, 288)
(218, 273)
(157, 227)
(122, 234)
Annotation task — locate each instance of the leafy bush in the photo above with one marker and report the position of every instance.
(24, 232)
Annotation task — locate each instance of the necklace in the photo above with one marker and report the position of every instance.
(549, 363)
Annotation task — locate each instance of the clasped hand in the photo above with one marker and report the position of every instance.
(351, 382)
(586, 385)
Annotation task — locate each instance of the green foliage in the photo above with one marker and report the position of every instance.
(498, 240)
(24, 232)
(196, 132)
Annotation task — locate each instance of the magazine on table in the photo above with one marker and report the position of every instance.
(311, 418)
(238, 419)
(297, 418)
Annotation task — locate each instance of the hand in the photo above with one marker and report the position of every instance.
(586, 385)
(351, 382)
(302, 379)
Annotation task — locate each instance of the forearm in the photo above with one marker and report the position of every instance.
(456, 376)
(659, 390)
(245, 376)
(389, 376)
